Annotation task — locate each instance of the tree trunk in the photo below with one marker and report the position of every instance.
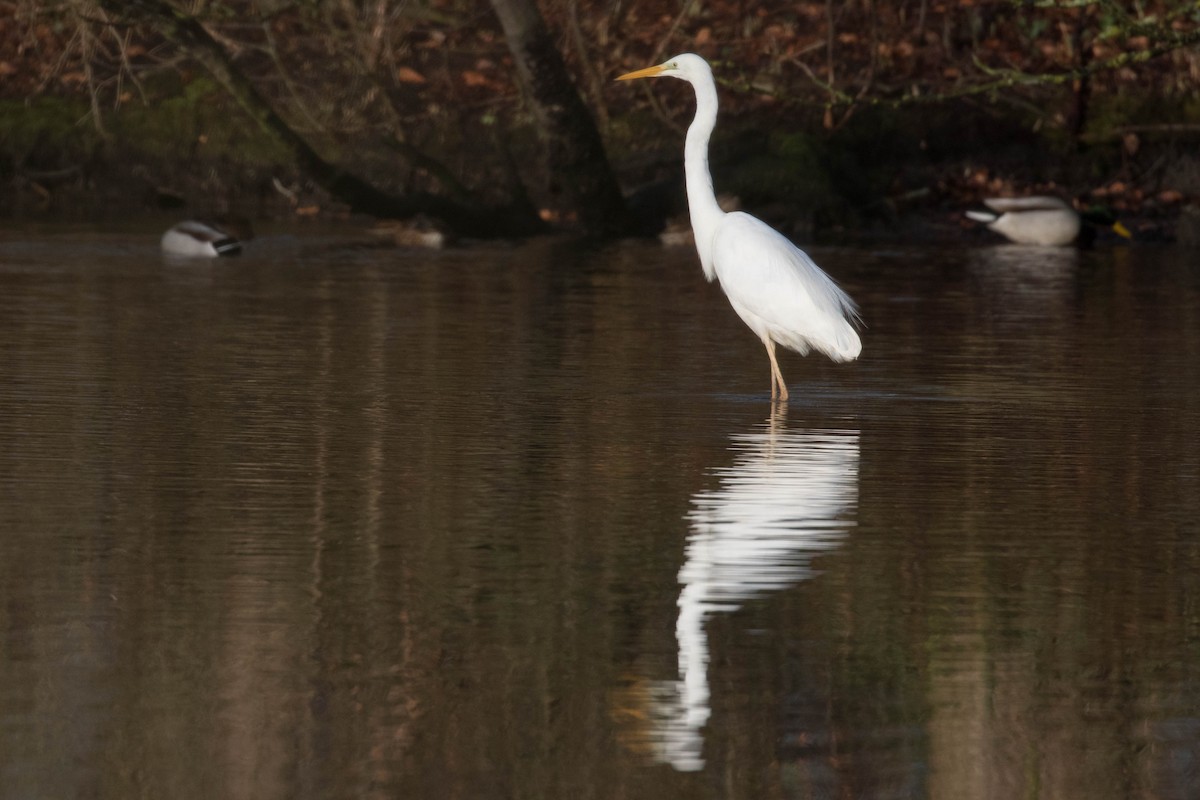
(575, 153)
(1081, 93)
(186, 32)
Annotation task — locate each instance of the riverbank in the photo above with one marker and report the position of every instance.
(895, 180)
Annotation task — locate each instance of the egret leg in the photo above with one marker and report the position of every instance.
(778, 387)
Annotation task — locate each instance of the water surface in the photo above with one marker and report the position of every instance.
(520, 521)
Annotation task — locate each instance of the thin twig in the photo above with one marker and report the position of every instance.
(661, 47)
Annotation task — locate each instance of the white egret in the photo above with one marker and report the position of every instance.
(194, 238)
(773, 286)
(1040, 220)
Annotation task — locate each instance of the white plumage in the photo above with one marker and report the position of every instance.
(193, 238)
(774, 286)
(1046, 221)
(780, 293)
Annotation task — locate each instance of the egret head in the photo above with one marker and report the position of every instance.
(686, 66)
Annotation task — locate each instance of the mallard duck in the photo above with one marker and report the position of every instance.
(1041, 220)
(419, 232)
(200, 239)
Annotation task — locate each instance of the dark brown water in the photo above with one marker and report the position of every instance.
(330, 522)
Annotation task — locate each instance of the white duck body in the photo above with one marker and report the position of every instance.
(193, 238)
(1046, 221)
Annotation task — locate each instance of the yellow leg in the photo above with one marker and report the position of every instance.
(778, 387)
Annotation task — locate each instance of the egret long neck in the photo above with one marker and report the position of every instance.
(702, 201)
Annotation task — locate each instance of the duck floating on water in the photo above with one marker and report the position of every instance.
(419, 231)
(1042, 220)
(202, 239)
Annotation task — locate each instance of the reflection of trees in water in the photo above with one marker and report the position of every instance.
(308, 569)
(782, 502)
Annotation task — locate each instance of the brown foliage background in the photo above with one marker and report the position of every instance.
(422, 92)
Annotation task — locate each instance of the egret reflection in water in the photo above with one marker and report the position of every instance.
(787, 497)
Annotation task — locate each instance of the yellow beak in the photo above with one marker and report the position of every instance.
(1121, 230)
(648, 72)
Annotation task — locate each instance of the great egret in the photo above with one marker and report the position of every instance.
(194, 238)
(772, 285)
(1040, 220)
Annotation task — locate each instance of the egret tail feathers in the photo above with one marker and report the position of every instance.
(844, 346)
(839, 342)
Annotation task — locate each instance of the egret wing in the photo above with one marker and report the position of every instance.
(778, 290)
